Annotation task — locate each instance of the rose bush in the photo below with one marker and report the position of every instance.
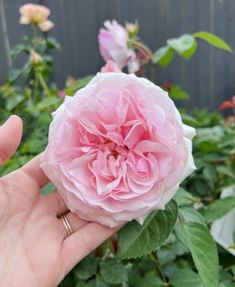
(118, 149)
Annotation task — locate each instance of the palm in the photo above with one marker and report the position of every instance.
(33, 232)
(34, 251)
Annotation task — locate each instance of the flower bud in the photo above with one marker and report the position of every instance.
(132, 29)
(35, 58)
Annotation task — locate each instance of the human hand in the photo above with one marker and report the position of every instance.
(35, 248)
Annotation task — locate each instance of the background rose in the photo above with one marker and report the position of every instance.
(113, 45)
(37, 15)
(118, 149)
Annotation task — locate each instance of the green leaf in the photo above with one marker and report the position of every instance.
(13, 102)
(151, 279)
(16, 50)
(113, 271)
(86, 268)
(213, 40)
(52, 43)
(225, 170)
(49, 102)
(14, 75)
(204, 252)
(189, 214)
(183, 197)
(209, 172)
(137, 240)
(80, 83)
(96, 283)
(218, 208)
(185, 278)
(163, 56)
(165, 255)
(185, 45)
(178, 93)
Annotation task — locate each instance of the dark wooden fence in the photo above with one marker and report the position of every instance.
(209, 76)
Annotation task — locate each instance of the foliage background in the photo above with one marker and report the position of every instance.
(208, 77)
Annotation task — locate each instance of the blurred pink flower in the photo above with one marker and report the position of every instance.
(62, 93)
(118, 149)
(35, 58)
(113, 45)
(36, 15)
(110, 66)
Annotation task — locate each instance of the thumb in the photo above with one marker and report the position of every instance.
(10, 137)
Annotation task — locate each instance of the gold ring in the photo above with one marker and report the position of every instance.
(67, 226)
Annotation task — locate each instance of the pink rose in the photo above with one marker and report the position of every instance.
(110, 66)
(113, 45)
(35, 58)
(118, 149)
(36, 15)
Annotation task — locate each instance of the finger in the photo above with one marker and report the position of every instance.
(84, 241)
(75, 223)
(10, 137)
(56, 203)
(34, 171)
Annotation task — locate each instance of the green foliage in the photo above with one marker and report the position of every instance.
(204, 252)
(137, 240)
(86, 268)
(190, 214)
(218, 208)
(213, 40)
(113, 271)
(79, 84)
(183, 197)
(186, 46)
(177, 93)
(163, 56)
(186, 278)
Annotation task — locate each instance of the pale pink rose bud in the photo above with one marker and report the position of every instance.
(35, 58)
(113, 44)
(132, 29)
(118, 149)
(110, 66)
(46, 25)
(32, 13)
